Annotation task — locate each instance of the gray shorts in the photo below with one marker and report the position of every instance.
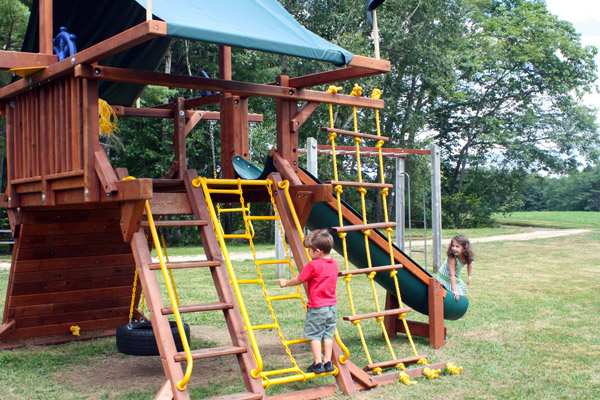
(320, 323)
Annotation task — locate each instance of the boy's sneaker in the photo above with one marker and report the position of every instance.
(328, 366)
(316, 368)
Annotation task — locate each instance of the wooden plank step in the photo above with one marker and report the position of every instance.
(238, 396)
(198, 307)
(187, 222)
(378, 225)
(210, 353)
(369, 270)
(392, 363)
(362, 184)
(186, 264)
(392, 311)
(356, 134)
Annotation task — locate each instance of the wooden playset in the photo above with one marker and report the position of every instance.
(82, 227)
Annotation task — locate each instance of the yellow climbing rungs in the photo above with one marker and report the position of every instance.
(266, 262)
(225, 191)
(230, 210)
(282, 371)
(268, 326)
(237, 236)
(262, 218)
(285, 297)
(296, 341)
(249, 281)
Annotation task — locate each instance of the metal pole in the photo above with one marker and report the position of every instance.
(400, 210)
(148, 10)
(311, 156)
(424, 224)
(436, 207)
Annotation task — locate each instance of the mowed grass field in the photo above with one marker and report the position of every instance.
(532, 331)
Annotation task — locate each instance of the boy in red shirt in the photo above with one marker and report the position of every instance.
(321, 275)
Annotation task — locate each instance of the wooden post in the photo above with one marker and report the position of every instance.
(436, 314)
(179, 164)
(287, 139)
(45, 27)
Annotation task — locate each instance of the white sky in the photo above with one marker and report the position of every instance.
(585, 17)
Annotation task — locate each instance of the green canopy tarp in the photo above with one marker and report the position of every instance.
(253, 24)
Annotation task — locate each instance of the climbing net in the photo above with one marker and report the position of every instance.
(370, 271)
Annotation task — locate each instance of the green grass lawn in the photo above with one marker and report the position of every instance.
(531, 332)
(551, 219)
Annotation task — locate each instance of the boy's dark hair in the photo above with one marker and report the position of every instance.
(320, 239)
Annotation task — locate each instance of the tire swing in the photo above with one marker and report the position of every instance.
(137, 338)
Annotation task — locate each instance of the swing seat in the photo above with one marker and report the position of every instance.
(138, 338)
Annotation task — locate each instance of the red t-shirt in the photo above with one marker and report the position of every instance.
(321, 275)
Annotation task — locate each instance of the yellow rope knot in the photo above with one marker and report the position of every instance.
(348, 278)
(385, 191)
(454, 369)
(367, 232)
(342, 235)
(404, 378)
(357, 140)
(401, 315)
(379, 319)
(333, 89)
(362, 190)
(332, 136)
(389, 230)
(400, 366)
(422, 361)
(379, 144)
(357, 90)
(356, 322)
(377, 371)
(393, 273)
(376, 93)
(372, 275)
(75, 330)
(338, 189)
(431, 373)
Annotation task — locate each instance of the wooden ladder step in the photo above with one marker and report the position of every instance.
(183, 222)
(392, 363)
(211, 352)
(198, 308)
(238, 396)
(369, 270)
(378, 225)
(392, 311)
(356, 134)
(186, 264)
(361, 184)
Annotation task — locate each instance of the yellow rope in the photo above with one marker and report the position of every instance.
(431, 373)
(405, 378)
(454, 369)
(107, 118)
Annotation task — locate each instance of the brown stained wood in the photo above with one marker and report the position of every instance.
(170, 204)
(72, 274)
(189, 308)
(58, 340)
(165, 113)
(362, 184)
(74, 317)
(131, 217)
(363, 227)
(91, 142)
(67, 297)
(243, 89)
(6, 328)
(437, 331)
(394, 311)
(70, 228)
(285, 169)
(71, 262)
(45, 27)
(392, 363)
(42, 309)
(337, 75)
(179, 134)
(364, 380)
(212, 352)
(115, 44)
(355, 134)
(369, 270)
(73, 251)
(371, 63)
(386, 151)
(19, 59)
(65, 285)
(302, 114)
(55, 215)
(172, 223)
(63, 329)
(105, 173)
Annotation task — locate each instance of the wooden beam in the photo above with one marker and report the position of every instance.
(370, 63)
(243, 89)
(122, 41)
(134, 112)
(106, 174)
(17, 59)
(334, 76)
(45, 29)
(6, 328)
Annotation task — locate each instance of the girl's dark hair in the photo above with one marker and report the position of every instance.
(467, 249)
(320, 239)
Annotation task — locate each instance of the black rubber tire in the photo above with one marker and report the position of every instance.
(138, 339)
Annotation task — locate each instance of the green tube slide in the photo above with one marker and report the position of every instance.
(413, 290)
